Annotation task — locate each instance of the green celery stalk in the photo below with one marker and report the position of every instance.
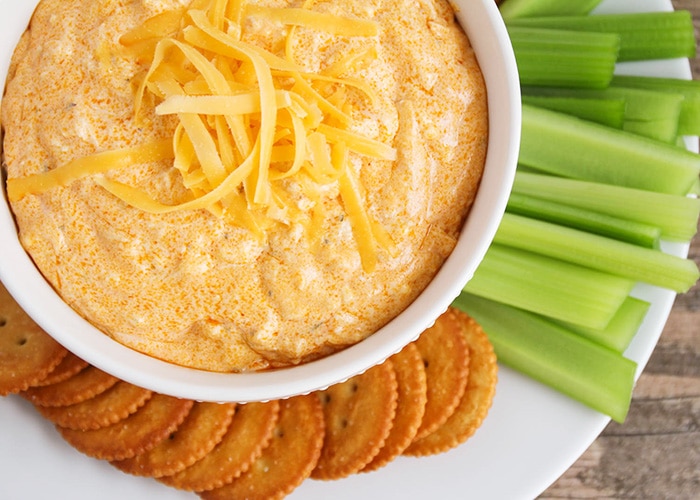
(598, 252)
(689, 122)
(675, 216)
(564, 58)
(610, 112)
(547, 286)
(647, 112)
(643, 35)
(512, 9)
(622, 328)
(564, 145)
(584, 219)
(549, 353)
(650, 113)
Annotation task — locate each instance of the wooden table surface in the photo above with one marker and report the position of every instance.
(655, 454)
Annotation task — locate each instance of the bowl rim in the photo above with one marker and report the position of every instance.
(75, 333)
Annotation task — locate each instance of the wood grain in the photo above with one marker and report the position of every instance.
(655, 454)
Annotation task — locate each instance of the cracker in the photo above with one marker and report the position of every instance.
(198, 434)
(249, 433)
(85, 385)
(410, 407)
(477, 398)
(141, 431)
(27, 353)
(108, 408)
(288, 460)
(358, 415)
(69, 366)
(446, 358)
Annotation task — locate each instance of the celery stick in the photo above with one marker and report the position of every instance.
(689, 122)
(647, 112)
(580, 218)
(610, 112)
(543, 285)
(622, 328)
(675, 216)
(650, 113)
(568, 146)
(564, 58)
(549, 353)
(598, 252)
(513, 9)
(643, 35)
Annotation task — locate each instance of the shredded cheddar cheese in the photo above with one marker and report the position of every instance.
(247, 119)
(18, 188)
(315, 20)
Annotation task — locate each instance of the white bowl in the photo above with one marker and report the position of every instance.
(483, 24)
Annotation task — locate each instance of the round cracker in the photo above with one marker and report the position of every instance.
(358, 416)
(27, 353)
(446, 358)
(198, 434)
(477, 398)
(288, 460)
(108, 408)
(69, 366)
(86, 384)
(141, 431)
(410, 406)
(249, 433)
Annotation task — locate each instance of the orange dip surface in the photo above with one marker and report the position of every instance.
(198, 289)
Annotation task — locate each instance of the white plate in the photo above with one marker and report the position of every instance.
(531, 436)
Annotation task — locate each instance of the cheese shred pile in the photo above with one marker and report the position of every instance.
(247, 120)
